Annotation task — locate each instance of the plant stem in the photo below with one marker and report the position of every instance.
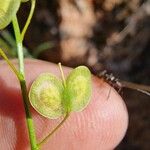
(142, 88)
(33, 2)
(30, 125)
(53, 131)
(29, 119)
(10, 64)
(19, 44)
(62, 75)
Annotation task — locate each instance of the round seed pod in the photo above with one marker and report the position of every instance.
(46, 95)
(78, 89)
(8, 9)
(24, 0)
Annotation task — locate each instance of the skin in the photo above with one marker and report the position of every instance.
(101, 126)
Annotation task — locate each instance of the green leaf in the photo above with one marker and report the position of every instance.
(8, 9)
(78, 89)
(46, 95)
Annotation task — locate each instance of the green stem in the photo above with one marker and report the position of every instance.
(53, 131)
(19, 44)
(29, 119)
(10, 64)
(25, 101)
(33, 3)
(30, 125)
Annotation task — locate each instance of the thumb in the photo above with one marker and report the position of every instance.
(102, 125)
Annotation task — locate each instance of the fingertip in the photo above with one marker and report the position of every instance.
(102, 125)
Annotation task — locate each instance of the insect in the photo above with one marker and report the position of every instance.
(119, 84)
(53, 97)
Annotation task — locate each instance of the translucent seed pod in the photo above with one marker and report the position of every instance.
(78, 88)
(8, 9)
(52, 99)
(46, 95)
(24, 0)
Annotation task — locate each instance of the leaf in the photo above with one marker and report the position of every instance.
(8, 9)
(46, 95)
(78, 89)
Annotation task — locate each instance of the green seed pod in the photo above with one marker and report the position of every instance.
(24, 0)
(78, 89)
(46, 95)
(53, 98)
(8, 9)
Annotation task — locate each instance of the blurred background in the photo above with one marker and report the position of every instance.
(112, 35)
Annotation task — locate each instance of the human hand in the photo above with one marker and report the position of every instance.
(101, 126)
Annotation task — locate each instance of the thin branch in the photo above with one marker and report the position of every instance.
(53, 131)
(33, 2)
